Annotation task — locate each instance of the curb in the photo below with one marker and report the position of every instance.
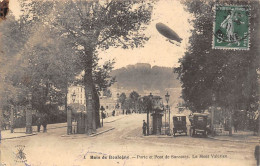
(244, 141)
(56, 127)
(20, 136)
(114, 120)
(92, 135)
(158, 136)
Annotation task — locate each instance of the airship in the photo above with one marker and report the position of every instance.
(168, 32)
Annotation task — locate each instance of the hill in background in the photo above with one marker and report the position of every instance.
(142, 77)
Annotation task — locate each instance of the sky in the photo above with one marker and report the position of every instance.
(157, 51)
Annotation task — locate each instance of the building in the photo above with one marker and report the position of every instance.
(109, 103)
(79, 91)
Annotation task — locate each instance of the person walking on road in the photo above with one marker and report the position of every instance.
(144, 127)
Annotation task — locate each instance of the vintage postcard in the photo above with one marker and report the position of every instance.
(129, 83)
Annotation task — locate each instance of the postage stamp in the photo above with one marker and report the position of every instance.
(231, 27)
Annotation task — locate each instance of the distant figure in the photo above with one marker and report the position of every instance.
(256, 123)
(113, 113)
(235, 125)
(257, 155)
(38, 123)
(144, 127)
(44, 123)
(123, 112)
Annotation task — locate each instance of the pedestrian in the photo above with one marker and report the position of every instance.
(44, 123)
(257, 155)
(235, 124)
(256, 122)
(38, 123)
(113, 113)
(144, 127)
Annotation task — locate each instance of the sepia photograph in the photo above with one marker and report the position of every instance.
(129, 82)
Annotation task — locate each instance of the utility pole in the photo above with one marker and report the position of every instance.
(165, 119)
(29, 115)
(148, 111)
(169, 121)
(167, 98)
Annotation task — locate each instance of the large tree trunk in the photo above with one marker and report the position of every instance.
(90, 125)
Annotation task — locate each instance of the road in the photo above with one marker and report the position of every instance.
(125, 146)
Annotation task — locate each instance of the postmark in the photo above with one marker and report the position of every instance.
(231, 27)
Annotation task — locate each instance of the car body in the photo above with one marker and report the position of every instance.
(179, 124)
(198, 124)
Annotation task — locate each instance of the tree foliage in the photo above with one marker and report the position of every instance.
(122, 100)
(93, 25)
(229, 74)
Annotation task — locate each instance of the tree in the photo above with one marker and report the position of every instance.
(102, 81)
(98, 24)
(41, 57)
(134, 99)
(122, 100)
(15, 41)
(229, 74)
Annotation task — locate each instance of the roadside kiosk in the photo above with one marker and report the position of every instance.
(157, 121)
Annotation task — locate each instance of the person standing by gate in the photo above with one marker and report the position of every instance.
(144, 127)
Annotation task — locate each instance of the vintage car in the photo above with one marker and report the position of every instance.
(179, 124)
(198, 124)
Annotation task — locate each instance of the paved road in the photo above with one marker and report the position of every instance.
(125, 146)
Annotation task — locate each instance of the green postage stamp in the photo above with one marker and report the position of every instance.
(231, 27)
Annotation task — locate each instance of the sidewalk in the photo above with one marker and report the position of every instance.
(98, 132)
(20, 132)
(240, 136)
(6, 134)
